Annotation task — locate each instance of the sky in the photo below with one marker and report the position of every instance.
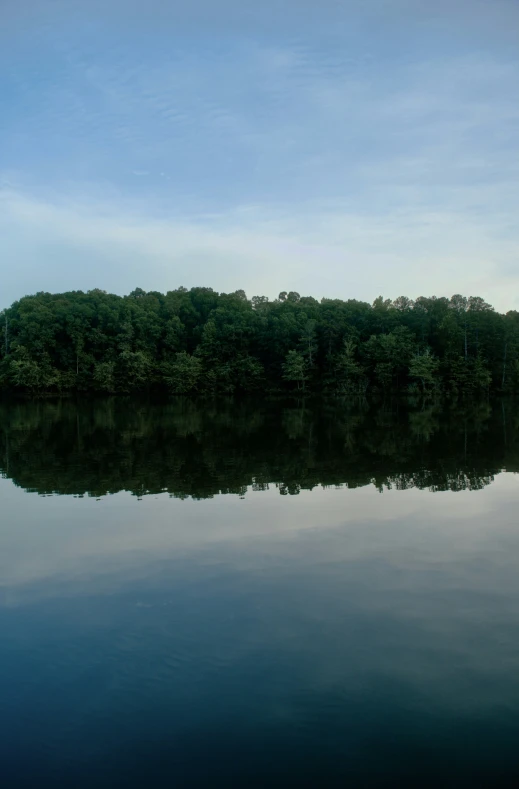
(340, 148)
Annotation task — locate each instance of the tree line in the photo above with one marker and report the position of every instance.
(199, 449)
(199, 341)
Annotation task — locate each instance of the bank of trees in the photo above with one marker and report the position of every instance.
(199, 341)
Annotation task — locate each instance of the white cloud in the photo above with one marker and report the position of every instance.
(378, 159)
(321, 251)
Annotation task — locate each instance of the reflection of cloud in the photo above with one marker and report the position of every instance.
(120, 539)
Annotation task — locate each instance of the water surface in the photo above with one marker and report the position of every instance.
(258, 595)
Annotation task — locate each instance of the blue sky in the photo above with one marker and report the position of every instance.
(342, 149)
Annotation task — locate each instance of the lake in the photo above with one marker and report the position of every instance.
(243, 594)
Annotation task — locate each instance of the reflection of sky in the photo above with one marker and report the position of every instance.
(357, 149)
(311, 627)
(44, 539)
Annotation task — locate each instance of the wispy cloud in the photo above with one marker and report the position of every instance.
(364, 148)
(334, 253)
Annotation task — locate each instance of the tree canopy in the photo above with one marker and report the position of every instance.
(199, 341)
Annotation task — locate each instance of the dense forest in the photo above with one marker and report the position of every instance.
(198, 449)
(199, 341)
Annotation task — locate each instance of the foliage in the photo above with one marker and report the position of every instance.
(294, 368)
(200, 341)
(183, 374)
(424, 367)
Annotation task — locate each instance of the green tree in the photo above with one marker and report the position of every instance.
(425, 367)
(348, 373)
(25, 373)
(389, 355)
(182, 376)
(308, 341)
(97, 341)
(104, 376)
(295, 369)
(134, 369)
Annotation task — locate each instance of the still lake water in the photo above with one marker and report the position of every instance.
(246, 595)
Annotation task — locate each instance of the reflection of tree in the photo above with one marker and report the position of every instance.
(424, 423)
(203, 448)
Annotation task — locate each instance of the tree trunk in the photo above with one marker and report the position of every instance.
(504, 367)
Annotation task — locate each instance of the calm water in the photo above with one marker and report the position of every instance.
(252, 595)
